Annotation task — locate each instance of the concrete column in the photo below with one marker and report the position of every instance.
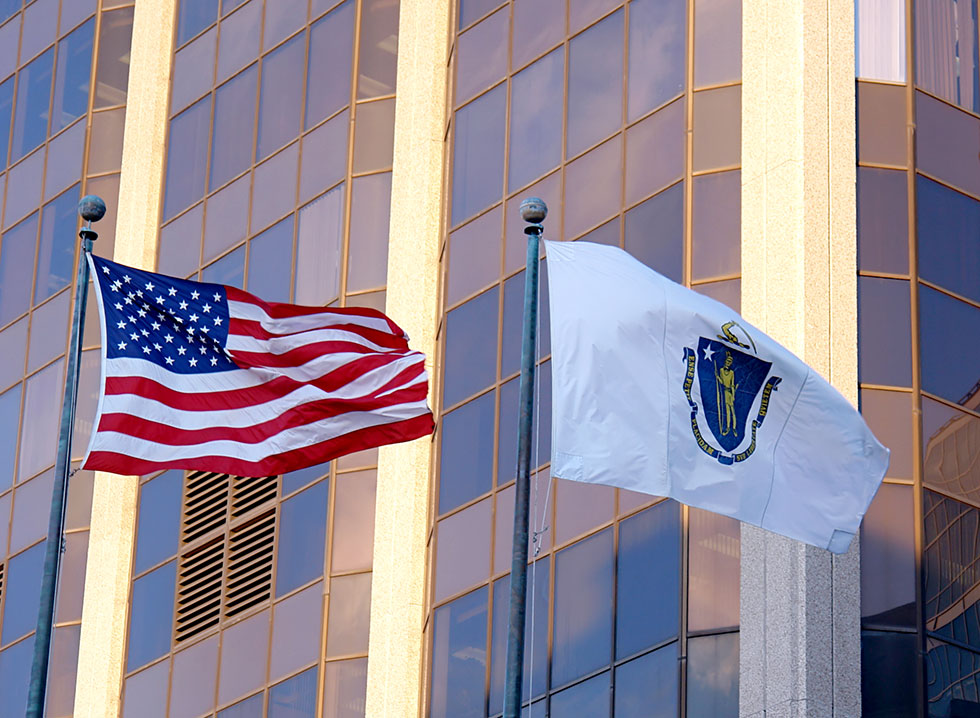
(800, 606)
(395, 648)
(102, 644)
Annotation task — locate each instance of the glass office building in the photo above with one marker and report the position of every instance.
(374, 153)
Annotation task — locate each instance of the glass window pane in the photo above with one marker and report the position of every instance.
(192, 684)
(592, 187)
(949, 329)
(105, 152)
(727, 291)
(712, 676)
(299, 479)
(589, 698)
(583, 608)
(581, 507)
(478, 154)
(318, 249)
(302, 536)
(888, 559)
(64, 160)
(56, 253)
(879, 34)
(270, 258)
(353, 524)
(239, 39)
(325, 152)
(594, 103)
(282, 95)
(330, 64)
(79, 512)
(42, 408)
(662, 250)
(37, 30)
(33, 99)
(71, 84)
(22, 592)
(234, 124)
(646, 687)
(655, 152)
(378, 48)
(295, 698)
(151, 616)
(71, 581)
(881, 126)
(466, 460)
(229, 270)
(889, 414)
(883, 222)
(474, 256)
(481, 56)
(350, 615)
(373, 137)
(947, 143)
(648, 573)
(463, 550)
(192, 73)
(345, 688)
(470, 10)
(367, 260)
(582, 12)
(884, 316)
(9, 38)
(717, 42)
(15, 677)
(244, 648)
(948, 236)
(714, 551)
(531, 36)
(6, 106)
(889, 676)
(72, 12)
(946, 50)
(159, 520)
(296, 631)
(13, 345)
(717, 128)
(248, 708)
(535, 127)
(459, 647)
(180, 242)
(471, 347)
(515, 241)
(193, 17)
(9, 422)
(48, 335)
(64, 662)
(950, 463)
(282, 18)
(657, 36)
(25, 186)
(187, 152)
(32, 505)
(225, 224)
(146, 693)
(715, 225)
(115, 41)
(107, 187)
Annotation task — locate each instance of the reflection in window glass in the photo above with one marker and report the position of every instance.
(714, 554)
(350, 615)
(656, 53)
(194, 16)
(463, 553)
(318, 249)
(889, 414)
(187, 152)
(65, 159)
(948, 236)
(6, 105)
(190, 78)
(282, 87)
(372, 144)
(159, 520)
(888, 559)
(662, 250)
(471, 347)
(22, 592)
(481, 56)
(42, 407)
(649, 566)
(655, 152)
(56, 251)
(226, 223)
(229, 270)
(9, 421)
(378, 48)
(353, 527)
(298, 479)
(331, 55)
(282, 18)
(583, 608)
(466, 461)
(344, 688)
(115, 41)
(478, 154)
(302, 536)
(13, 344)
(244, 653)
(879, 35)
(248, 708)
(473, 261)
(295, 698)
(949, 462)
(270, 258)
(948, 329)
(71, 84)
(151, 616)
(883, 225)
(239, 38)
(646, 687)
(946, 50)
(884, 316)
(234, 123)
(46, 339)
(947, 142)
(717, 41)
(530, 36)
(64, 661)
(594, 103)
(15, 677)
(367, 260)
(328, 145)
(952, 680)
(535, 128)
(459, 647)
(589, 698)
(146, 692)
(194, 674)
(296, 631)
(715, 225)
(712, 676)
(717, 128)
(16, 256)
(592, 187)
(889, 676)
(32, 502)
(33, 100)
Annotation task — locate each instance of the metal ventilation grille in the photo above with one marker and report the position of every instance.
(250, 564)
(205, 504)
(199, 589)
(251, 493)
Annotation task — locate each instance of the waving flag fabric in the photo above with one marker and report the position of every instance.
(662, 390)
(208, 377)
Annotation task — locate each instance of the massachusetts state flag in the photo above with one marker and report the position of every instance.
(208, 377)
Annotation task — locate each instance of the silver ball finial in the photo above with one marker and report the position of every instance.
(534, 210)
(92, 208)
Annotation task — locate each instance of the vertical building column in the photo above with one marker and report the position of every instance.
(800, 606)
(395, 650)
(102, 645)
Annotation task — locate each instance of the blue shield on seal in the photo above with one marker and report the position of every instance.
(729, 380)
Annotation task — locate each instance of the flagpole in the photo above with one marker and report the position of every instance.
(92, 209)
(533, 211)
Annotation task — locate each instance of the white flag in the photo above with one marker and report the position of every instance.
(661, 390)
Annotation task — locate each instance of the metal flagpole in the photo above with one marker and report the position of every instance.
(533, 211)
(92, 209)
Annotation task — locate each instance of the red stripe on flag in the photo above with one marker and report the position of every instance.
(253, 328)
(277, 310)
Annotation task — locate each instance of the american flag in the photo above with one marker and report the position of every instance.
(208, 377)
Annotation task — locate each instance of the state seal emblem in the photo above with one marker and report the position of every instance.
(730, 376)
